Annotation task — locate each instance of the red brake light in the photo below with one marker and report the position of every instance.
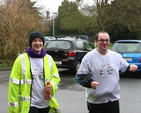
(72, 53)
(140, 59)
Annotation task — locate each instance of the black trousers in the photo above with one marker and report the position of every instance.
(38, 110)
(110, 107)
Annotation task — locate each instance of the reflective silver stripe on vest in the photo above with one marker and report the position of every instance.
(23, 65)
(13, 104)
(54, 84)
(55, 75)
(15, 81)
(23, 81)
(50, 62)
(24, 98)
(57, 110)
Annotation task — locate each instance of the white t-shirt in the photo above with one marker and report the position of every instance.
(37, 94)
(105, 70)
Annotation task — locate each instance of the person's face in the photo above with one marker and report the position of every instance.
(103, 41)
(37, 45)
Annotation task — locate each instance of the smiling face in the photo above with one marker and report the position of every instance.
(103, 42)
(37, 45)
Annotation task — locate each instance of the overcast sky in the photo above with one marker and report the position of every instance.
(52, 5)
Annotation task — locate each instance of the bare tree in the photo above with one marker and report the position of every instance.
(17, 19)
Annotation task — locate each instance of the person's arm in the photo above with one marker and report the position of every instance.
(131, 69)
(13, 87)
(55, 78)
(83, 80)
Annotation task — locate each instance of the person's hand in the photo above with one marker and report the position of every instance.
(133, 68)
(94, 84)
(48, 88)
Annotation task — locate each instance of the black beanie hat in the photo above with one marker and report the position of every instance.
(34, 35)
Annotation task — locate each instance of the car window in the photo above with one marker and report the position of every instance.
(59, 44)
(64, 45)
(79, 44)
(46, 39)
(89, 46)
(127, 47)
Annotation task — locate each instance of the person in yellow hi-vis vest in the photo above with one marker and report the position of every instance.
(32, 70)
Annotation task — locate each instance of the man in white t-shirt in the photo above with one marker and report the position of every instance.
(99, 73)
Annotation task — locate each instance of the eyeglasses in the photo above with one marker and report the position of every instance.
(101, 40)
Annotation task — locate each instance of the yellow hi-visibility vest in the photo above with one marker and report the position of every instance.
(20, 81)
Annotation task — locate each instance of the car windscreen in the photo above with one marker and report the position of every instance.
(127, 47)
(60, 44)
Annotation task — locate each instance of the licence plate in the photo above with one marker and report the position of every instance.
(58, 62)
(127, 58)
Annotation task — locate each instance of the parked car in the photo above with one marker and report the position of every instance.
(68, 52)
(130, 51)
(48, 38)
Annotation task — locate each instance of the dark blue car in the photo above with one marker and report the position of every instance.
(68, 52)
(130, 51)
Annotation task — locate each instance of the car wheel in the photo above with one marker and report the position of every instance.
(75, 68)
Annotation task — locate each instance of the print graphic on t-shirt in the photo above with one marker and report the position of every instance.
(37, 74)
(106, 69)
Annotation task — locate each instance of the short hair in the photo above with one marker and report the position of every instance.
(96, 36)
